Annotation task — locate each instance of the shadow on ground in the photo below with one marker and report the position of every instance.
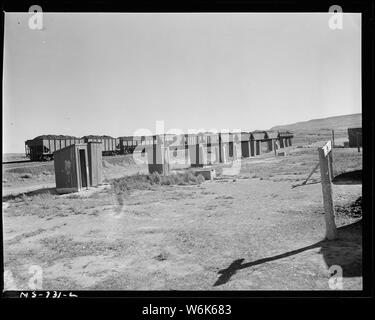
(346, 252)
(350, 177)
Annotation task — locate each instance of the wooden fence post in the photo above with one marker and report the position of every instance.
(310, 174)
(331, 230)
(330, 162)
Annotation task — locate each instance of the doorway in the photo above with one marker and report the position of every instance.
(82, 163)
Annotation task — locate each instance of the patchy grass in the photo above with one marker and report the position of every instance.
(296, 166)
(122, 160)
(63, 247)
(31, 173)
(148, 181)
(48, 205)
(25, 235)
(32, 169)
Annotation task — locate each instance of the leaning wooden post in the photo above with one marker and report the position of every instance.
(331, 230)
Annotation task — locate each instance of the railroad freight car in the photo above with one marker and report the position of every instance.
(129, 143)
(42, 148)
(110, 145)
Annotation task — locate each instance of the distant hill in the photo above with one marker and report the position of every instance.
(320, 129)
(331, 123)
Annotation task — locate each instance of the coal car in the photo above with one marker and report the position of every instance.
(129, 143)
(41, 148)
(110, 145)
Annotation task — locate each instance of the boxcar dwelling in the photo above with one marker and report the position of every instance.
(258, 137)
(234, 144)
(198, 155)
(271, 138)
(157, 156)
(185, 144)
(252, 145)
(285, 139)
(212, 139)
(212, 144)
(224, 140)
(43, 147)
(191, 139)
(78, 167)
(355, 137)
(245, 144)
(197, 149)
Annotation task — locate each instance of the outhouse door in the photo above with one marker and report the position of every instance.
(83, 168)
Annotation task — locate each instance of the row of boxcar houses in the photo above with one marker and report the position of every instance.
(252, 143)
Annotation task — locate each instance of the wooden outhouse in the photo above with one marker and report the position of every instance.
(78, 167)
(355, 137)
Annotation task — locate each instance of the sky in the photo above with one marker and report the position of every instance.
(115, 74)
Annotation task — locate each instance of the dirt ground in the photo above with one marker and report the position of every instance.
(256, 230)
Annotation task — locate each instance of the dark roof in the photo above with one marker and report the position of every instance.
(258, 134)
(285, 134)
(245, 136)
(272, 134)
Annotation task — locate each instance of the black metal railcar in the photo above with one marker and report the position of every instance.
(110, 145)
(129, 143)
(41, 148)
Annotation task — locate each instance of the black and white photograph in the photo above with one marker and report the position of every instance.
(182, 151)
